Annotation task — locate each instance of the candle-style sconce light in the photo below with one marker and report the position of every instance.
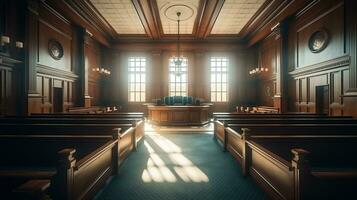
(19, 45)
(258, 70)
(102, 71)
(4, 44)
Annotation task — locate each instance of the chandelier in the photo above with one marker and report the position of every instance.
(178, 59)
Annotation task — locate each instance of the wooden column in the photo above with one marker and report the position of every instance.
(154, 78)
(281, 37)
(350, 98)
(200, 74)
(84, 100)
(34, 99)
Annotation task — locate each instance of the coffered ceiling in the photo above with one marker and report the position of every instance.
(121, 15)
(234, 15)
(156, 19)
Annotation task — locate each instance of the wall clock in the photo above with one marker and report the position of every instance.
(318, 41)
(55, 49)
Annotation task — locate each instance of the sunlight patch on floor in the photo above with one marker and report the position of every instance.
(208, 128)
(157, 170)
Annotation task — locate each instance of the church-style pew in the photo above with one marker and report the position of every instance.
(130, 134)
(221, 123)
(303, 168)
(236, 136)
(87, 110)
(98, 115)
(137, 131)
(267, 115)
(76, 166)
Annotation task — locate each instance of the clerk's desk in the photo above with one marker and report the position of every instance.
(177, 115)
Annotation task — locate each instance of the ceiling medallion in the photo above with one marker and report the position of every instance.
(186, 12)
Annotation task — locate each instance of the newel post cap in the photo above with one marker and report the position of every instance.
(300, 156)
(66, 157)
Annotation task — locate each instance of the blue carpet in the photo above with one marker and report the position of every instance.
(180, 166)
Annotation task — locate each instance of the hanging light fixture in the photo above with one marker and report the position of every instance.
(178, 60)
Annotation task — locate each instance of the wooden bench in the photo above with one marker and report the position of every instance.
(101, 115)
(300, 168)
(79, 165)
(221, 124)
(87, 110)
(35, 189)
(104, 126)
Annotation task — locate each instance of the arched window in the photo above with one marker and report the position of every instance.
(178, 81)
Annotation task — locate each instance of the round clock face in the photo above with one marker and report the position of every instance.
(55, 49)
(318, 41)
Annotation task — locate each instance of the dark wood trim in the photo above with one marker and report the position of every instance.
(285, 10)
(206, 19)
(323, 66)
(55, 73)
(263, 14)
(144, 8)
(91, 14)
(70, 11)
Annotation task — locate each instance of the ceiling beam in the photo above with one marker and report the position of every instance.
(148, 18)
(69, 11)
(207, 14)
(286, 9)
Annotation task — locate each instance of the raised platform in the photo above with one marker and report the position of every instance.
(178, 115)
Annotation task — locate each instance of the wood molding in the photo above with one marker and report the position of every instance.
(70, 10)
(55, 73)
(91, 14)
(264, 13)
(147, 12)
(284, 10)
(206, 17)
(322, 66)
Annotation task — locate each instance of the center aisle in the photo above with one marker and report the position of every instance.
(180, 166)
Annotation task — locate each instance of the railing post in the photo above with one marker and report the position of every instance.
(225, 136)
(246, 152)
(116, 135)
(63, 183)
(301, 170)
(134, 125)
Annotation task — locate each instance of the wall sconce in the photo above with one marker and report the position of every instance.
(258, 70)
(19, 45)
(5, 40)
(101, 71)
(4, 43)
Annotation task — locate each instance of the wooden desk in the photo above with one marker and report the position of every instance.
(178, 115)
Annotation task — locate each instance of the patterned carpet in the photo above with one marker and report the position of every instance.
(180, 166)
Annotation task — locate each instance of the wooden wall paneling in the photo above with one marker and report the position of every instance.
(349, 97)
(327, 67)
(155, 74)
(329, 19)
(33, 98)
(92, 54)
(335, 95)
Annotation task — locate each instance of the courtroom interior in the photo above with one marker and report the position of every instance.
(178, 99)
